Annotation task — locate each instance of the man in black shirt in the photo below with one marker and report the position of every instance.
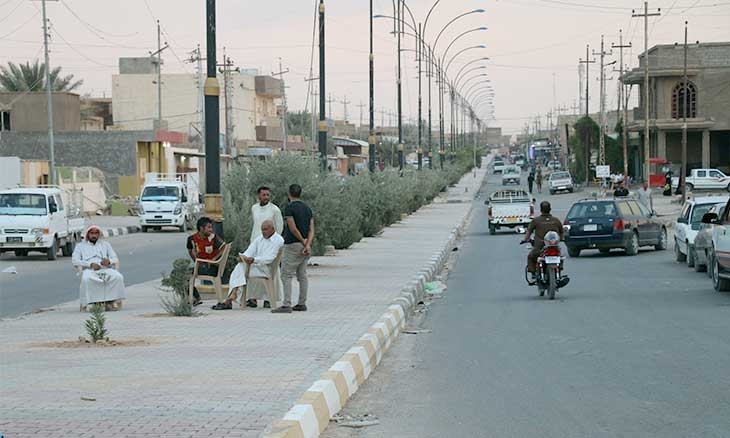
(298, 237)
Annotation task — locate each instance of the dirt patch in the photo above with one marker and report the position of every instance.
(85, 343)
(155, 315)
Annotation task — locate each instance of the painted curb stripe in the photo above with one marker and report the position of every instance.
(338, 378)
(362, 354)
(370, 350)
(345, 367)
(331, 396)
(354, 361)
(304, 415)
(319, 406)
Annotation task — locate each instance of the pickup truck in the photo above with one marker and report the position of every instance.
(42, 219)
(499, 165)
(509, 208)
(511, 175)
(705, 179)
(718, 265)
(169, 201)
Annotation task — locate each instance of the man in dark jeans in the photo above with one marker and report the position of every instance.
(204, 244)
(298, 237)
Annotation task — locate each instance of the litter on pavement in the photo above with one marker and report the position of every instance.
(10, 270)
(435, 287)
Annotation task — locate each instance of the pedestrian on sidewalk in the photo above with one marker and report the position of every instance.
(204, 244)
(530, 181)
(298, 237)
(101, 283)
(538, 180)
(621, 191)
(262, 211)
(258, 256)
(644, 196)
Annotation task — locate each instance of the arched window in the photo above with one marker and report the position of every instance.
(678, 100)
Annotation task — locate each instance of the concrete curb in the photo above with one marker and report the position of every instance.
(120, 231)
(311, 414)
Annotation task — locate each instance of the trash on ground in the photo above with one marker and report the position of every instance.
(355, 421)
(456, 248)
(435, 287)
(87, 398)
(416, 331)
(10, 270)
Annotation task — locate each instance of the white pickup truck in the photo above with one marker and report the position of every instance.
(705, 179)
(169, 201)
(509, 208)
(511, 175)
(43, 219)
(499, 165)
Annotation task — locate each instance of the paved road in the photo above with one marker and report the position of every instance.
(41, 283)
(634, 347)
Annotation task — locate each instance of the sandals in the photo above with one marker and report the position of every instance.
(222, 306)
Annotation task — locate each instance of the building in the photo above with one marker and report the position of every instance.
(707, 101)
(26, 111)
(249, 111)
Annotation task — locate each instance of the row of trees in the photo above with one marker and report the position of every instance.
(32, 77)
(588, 134)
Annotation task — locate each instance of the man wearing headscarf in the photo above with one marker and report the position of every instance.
(101, 283)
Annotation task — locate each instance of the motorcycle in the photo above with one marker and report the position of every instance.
(550, 263)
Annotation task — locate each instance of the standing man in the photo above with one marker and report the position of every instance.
(530, 181)
(538, 180)
(298, 238)
(644, 196)
(204, 244)
(101, 283)
(264, 210)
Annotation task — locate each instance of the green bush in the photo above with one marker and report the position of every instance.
(96, 324)
(345, 208)
(177, 284)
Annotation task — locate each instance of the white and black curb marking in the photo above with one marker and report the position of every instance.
(311, 414)
(120, 231)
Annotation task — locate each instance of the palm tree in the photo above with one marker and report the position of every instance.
(27, 77)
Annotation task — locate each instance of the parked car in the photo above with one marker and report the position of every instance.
(719, 261)
(703, 240)
(511, 175)
(560, 182)
(607, 224)
(705, 179)
(509, 208)
(499, 165)
(688, 224)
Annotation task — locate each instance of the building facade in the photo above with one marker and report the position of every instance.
(27, 111)
(706, 99)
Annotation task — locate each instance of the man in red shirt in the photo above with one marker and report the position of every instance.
(204, 245)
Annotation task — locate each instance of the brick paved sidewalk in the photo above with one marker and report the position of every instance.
(224, 374)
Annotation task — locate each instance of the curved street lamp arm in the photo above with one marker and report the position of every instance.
(457, 82)
(448, 64)
(476, 11)
(471, 79)
(425, 23)
(393, 18)
(487, 88)
(476, 29)
(463, 67)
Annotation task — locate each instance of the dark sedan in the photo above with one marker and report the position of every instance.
(605, 224)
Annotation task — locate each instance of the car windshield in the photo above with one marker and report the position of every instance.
(511, 170)
(593, 209)
(700, 210)
(16, 204)
(160, 193)
(560, 175)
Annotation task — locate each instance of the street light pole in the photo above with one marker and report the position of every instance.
(400, 90)
(213, 200)
(322, 92)
(419, 46)
(371, 136)
(685, 98)
(49, 103)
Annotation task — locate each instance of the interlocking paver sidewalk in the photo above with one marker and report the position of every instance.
(224, 374)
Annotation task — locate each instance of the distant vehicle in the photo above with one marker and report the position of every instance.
(719, 261)
(41, 219)
(560, 182)
(511, 175)
(499, 165)
(705, 179)
(509, 208)
(703, 240)
(520, 161)
(168, 202)
(688, 224)
(608, 224)
(554, 165)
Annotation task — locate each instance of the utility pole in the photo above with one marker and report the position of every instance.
(685, 99)
(158, 53)
(49, 102)
(329, 103)
(602, 108)
(322, 90)
(226, 69)
(621, 90)
(359, 125)
(284, 116)
(213, 199)
(345, 102)
(313, 109)
(647, 142)
(196, 56)
(587, 152)
(371, 104)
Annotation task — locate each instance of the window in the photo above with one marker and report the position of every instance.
(641, 207)
(715, 174)
(701, 173)
(625, 210)
(4, 120)
(59, 202)
(596, 209)
(678, 100)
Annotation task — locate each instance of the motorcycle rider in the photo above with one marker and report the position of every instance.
(540, 226)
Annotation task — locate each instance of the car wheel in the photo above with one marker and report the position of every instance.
(21, 252)
(144, 229)
(720, 284)
(52, 252)
(728, 187)
(710, 264)
(632, 248)
(690, 187)
(573, 252)
(662, 242)
(552, 192)
(68, 248)
(492, 230)
(570, 190)
(678, 256)
(690, 256)
(604, 250)
(699, 267)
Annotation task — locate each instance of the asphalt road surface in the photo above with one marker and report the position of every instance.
(41, 283)
(633, 347)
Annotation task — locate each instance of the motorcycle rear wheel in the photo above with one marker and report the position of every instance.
(552, 283)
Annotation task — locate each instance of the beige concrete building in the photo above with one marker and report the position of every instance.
(707, 98)
(26, 112)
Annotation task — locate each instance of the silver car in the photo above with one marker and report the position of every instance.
(703, 240)
(560, 182)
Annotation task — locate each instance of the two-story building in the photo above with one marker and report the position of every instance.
(707, 102)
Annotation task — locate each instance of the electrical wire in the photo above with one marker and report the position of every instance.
(20, 3)
(95, 30)
(21, 26)
(93, 61)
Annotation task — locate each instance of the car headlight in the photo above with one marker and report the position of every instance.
(39, 231)
(178, 209)
(141, 209)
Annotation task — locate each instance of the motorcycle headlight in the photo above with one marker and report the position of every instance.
(178, 209)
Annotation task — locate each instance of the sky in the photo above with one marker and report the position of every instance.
(533, 46)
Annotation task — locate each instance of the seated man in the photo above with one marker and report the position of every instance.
(259, 255)
(100, 282)
(205, 245)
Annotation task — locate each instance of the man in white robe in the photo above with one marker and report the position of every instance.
(260, 212)
(100, 282)
(259, 256)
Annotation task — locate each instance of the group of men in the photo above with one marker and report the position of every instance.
(275, 237)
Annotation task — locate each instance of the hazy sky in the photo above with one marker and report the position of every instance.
(534, 45)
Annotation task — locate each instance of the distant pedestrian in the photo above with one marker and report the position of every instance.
(298, 238)
(644, 196)
(538, 180)
(621, 191)
(530, 181)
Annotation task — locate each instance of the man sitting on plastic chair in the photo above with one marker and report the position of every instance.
(259, 256)
(101, 282)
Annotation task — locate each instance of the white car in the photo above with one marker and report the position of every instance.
(689, 224)
(511, 175)
(560, 182)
